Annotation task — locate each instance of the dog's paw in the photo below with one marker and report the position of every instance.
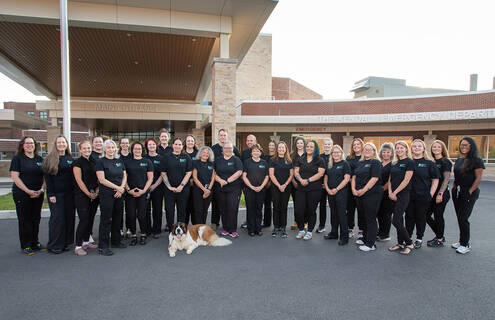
(189, 251)
(172, 255)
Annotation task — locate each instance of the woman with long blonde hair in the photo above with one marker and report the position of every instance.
(59, 185)
(424, 184)
(434, 216)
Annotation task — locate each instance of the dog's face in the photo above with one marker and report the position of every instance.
(179, 230)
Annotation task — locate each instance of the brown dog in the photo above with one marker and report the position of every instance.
(181, 237)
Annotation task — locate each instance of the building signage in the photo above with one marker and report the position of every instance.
(114, 107)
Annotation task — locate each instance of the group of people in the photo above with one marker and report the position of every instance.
(397, 185)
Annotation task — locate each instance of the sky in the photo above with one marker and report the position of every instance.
(327, 45)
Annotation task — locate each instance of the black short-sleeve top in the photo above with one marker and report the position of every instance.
(367, 169)
(466, 180)
(30, 172)
(224, 168)
(114, 172)
(309, 169)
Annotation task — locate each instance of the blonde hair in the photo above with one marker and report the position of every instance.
(352, 154)
(405, 145)
(330, 159)
(50, 163)
(425, 153)
(445, 151)
(375, 151)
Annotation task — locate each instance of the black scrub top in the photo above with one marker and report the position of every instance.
(225, 168)
(29, 172)
(386, 173)
(466, 180)
(157, 165)
(443, 165)
(176, 166)
(88, 174)
(398, 172)
(309, 169)
(218, 151)
(336, 174)
(367, 169)
(164, 151)
(63, 181)
(255, 171)
(193, 155)
(95, 156)
(137, 172)
(205, 171)
(114, 172)
(424, 171)
(353, 163)
(125, 158)
(281, 170)
(295, 158)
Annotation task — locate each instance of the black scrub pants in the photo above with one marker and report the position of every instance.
(173, 200)
(228, 203)
(293, 194)
(399, 207)
(323, 208)
(338, 217)
(122, 210)
(200, 206)
(110, 219)
(190, 207)
(136, 208)
(463, 205)
(154, 209)
(385, 215)
(254, 207)
(305, 209)
(215, 211)
(93, 208)
(267, 207)
(62, 220)
(351, 210)
(369, 203)
(416, 215)
(28, 216)
(434, 216)
(280, 204)
(84, 204)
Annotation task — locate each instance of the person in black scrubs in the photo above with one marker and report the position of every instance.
(384, 215)
(468, 172)
(155, 203)
(423, 186)
(139, 178)
(255, 178)
(246, 154)
(267, 206)
(204, 180)
(164, 137)
(399, 187)
(124, 147)
(368, 190)
(299, 147)
(57, 167)
(112, 178)
(327, 146)
(96, 153)
(26, 173)
(176, 172)
(353, 160)
(222, 137)
(191, 151)
(228, 169)
(434, 216)
(281, 174)
(85, 192)
(336, 181)
(309, 171)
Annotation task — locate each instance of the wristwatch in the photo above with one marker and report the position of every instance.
(308, 180)
(182, 184)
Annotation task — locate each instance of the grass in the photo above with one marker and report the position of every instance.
(7, 202)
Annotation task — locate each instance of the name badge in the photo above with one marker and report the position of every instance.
(182, 160)
(230, 163)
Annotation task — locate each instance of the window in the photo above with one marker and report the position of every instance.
(43, 115)
(6, 155)
(378, 141)
(486, 146)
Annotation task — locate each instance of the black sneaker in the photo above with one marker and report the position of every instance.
(383, 238)
(418, 243)
(283, 233)
(39, 247)
(320, 229)
(133, 242)
(343, 242)
(105, 251)
(56, 251)
(259, 233)
(142, 240)
(431, 241)
(28, 251)
(244, 225)
(251, 234)
(331, 236)
(275, 232)
(435, 244)
(119, 245)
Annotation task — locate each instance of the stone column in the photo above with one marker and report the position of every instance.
(428, 139)
(223, 97)
(51, 133)
(346, 144)
(199, 133)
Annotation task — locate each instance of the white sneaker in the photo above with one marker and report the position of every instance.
(366, 248)
(351, 233)
(456, 245)
(463, 249)
(360, 241)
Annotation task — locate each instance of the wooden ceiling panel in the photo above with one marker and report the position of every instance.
(110, 63)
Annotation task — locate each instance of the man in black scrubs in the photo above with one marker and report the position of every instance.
(222, 137)
(246, 154)
(96, 154)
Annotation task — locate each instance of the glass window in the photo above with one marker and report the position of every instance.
(378, 141)
(43, 115)
(30, 113)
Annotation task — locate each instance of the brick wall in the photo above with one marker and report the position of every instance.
(288, 89)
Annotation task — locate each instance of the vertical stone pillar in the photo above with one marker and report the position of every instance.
(199, 133)
(428, 139)
(223, 97)
(346, 144)
(51, 133)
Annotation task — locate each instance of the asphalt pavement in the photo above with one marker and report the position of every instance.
(256, 278)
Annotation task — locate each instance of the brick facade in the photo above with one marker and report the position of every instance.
(288, 89)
